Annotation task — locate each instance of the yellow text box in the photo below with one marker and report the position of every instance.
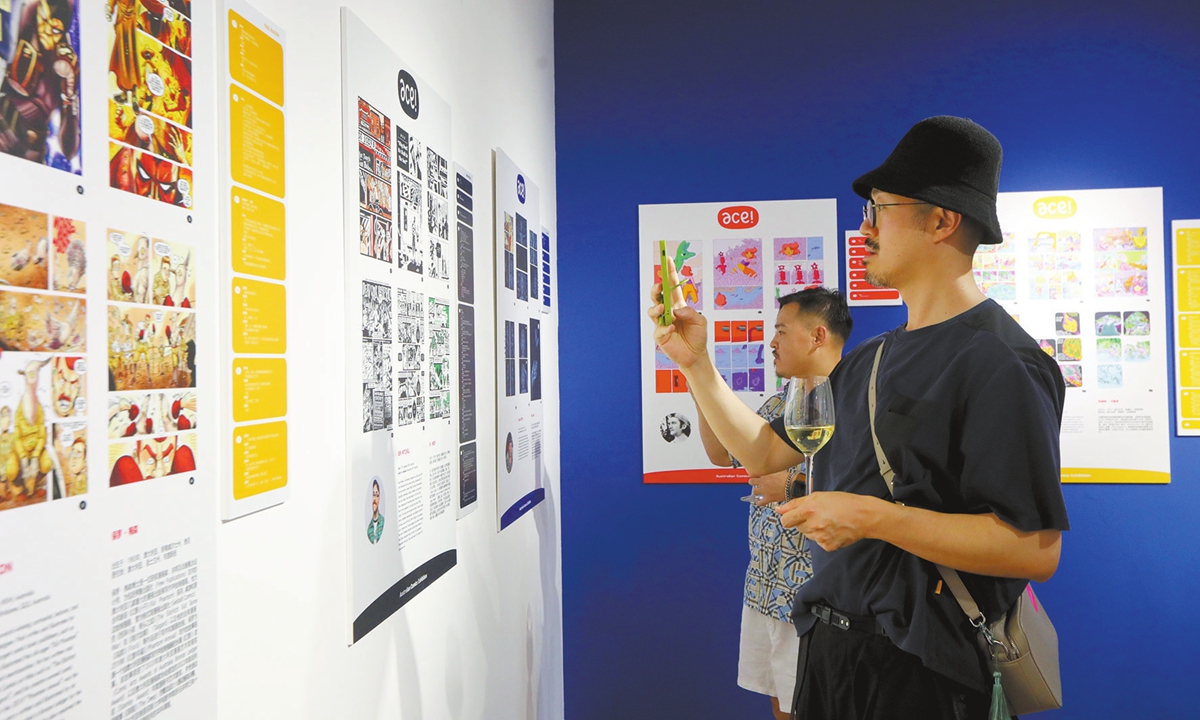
(1189, 330)
(1189, 406)
(1189, 369)
(1187, 246)
(259, 235)
(256, 142)
(259, 388)
(255, 58)
(1187, 289)
(259, 459)
(1114, 476)
(259, 316)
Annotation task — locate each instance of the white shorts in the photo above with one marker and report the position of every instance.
(767, 657)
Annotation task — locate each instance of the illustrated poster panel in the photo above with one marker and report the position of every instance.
(1084, 273)
(520, 478)
(401, 272)
(735, 260)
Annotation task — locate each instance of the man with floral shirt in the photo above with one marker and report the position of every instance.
(811, 329)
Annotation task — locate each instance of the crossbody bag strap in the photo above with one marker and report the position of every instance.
(953, 581)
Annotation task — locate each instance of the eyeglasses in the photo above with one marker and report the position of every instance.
(869, 210)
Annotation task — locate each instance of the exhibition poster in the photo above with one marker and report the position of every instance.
(735, 260)
(468, 454)
(1083, 271)
(107, 583)
(253, 264)
(520, 471)
(1185, 244)
(401, 316)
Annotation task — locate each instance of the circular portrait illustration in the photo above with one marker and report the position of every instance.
(675, 428)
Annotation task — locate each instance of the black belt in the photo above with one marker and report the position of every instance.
(846, 621)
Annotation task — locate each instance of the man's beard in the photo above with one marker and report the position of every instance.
(878, 279)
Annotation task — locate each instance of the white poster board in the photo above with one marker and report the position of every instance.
(520, 476)
(107, 387)
(400, 329)
(735, 260)
(1084, 273)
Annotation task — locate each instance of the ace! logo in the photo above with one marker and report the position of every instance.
(410, 98)
(737, 217)
(521, 188)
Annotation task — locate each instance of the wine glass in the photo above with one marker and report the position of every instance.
(808, 418)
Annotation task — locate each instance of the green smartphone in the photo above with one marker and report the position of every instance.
(668, 317)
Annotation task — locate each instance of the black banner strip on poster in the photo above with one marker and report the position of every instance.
(399, 594)
(521, 507)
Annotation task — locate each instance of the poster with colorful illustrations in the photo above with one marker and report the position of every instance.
(520, 419)
(1084, 273)
(399, 266)
(104, 488)
(40, 95)
(150, 123)
(735, 260)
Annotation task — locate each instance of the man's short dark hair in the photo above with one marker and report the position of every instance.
(829, 305)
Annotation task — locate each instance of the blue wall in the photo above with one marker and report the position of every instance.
(662, 101)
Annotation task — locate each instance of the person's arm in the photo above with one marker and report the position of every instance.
(716, 452)
(980, 544)
(740, 430)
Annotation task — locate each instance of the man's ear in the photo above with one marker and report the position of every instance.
(820, 335)
(946, 222)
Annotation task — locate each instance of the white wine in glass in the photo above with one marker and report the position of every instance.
(808, 418)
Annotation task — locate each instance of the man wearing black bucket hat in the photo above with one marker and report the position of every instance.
(967, 413)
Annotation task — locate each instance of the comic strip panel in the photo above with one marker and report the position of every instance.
(150, 348)
(438, 214)
(70, 447)
(132, 461)
(438, 172)
(33, 322)
(68, 238)
(147, 175)
(143, 131)
(439, 358)
(377, 385)
(376, 311)
(150, 271)
(411, 256)
(40, 92)
(24, 243)
(737, 274)
(26, 453)
(151, 413)
(166, 24)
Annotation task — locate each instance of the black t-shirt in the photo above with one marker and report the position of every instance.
(968, 415)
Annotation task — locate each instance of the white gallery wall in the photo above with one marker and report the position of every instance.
(485, 640)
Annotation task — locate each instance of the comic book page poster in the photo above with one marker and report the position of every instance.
(520, 475)
(149, 99)
(150, 271)
(1084, 272)
(40, 93)
(735, 260)
(399, 265)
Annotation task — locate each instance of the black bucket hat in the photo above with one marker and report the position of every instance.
(946, 161)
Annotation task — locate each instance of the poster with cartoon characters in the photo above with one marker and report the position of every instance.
(735, 260)
(400, 269)
(107, 535)
(1084, 272)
